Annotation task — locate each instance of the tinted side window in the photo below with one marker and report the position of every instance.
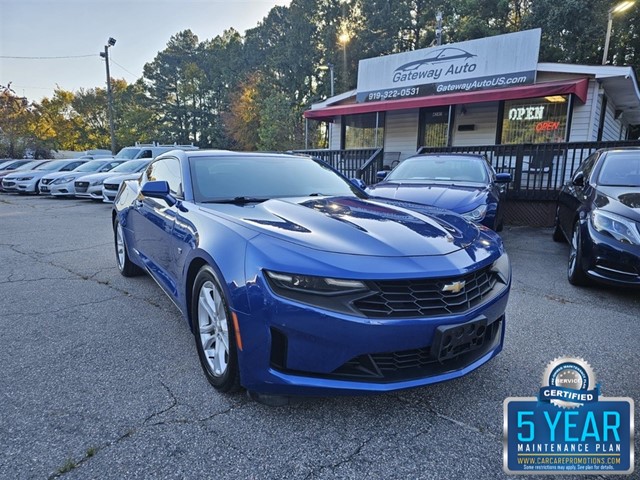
(587, 165)
(145, 154)
(167, 169)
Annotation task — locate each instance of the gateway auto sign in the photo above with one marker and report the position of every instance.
(493, 62)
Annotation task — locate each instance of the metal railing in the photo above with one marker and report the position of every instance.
(362, 163)
(538, 171)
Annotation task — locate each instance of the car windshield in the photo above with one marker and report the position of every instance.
(30, 165)
(227, 178)
(440, 169)
(52, 166)
(14, 164)
(92, 166)
(131, 166)
(128, 153)
(621, 169)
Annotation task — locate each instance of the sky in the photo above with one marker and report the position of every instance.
(81, 28)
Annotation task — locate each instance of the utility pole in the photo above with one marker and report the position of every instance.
(110, 43)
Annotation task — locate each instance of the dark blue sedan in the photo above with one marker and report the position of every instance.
(464, 183)
(599, 213)
(294, 281)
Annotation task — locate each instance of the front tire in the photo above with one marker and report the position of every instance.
(213, 331)
(575, 270)
(126, 267)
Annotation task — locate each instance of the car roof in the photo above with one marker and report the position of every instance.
(452, 154)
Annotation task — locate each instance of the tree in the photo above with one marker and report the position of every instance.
(15, 117)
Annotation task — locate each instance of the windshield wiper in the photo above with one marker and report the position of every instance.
(237, 200)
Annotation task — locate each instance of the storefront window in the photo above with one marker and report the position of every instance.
(434, 127)
(535, 120)
(364, 131)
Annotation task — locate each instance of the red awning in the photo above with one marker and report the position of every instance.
(564, 87)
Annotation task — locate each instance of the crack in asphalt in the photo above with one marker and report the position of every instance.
(332, 466)
(38, 258)
(431, 410)
(145, 424)
(174, 403)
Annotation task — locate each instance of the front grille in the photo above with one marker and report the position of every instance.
(81, 187)
(110, 186)
(46, 181)
(425, 297)
(8, 184)
(419, 362)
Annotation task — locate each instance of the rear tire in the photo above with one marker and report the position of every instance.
(557, 235)
(214, 333)
(575, 270)
(126, 267)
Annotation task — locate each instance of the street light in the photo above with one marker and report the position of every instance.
(110, 43)
(619, 8)
(329, 66)
(439, 28)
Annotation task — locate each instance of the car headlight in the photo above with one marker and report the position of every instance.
(314, 285)
(24, 179)
(96, 183)
(477, 214)
(60, 180)
(620, 228)
(502, 268)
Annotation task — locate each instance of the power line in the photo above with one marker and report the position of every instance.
(130, 73)
(48, 58)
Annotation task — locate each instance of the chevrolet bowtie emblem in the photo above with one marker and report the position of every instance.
(454, 287)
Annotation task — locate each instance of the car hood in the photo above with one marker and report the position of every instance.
(53, 176)
(459, 198)
(624, 200)
(122, 178)
(355, 226)
(92, 177)
(21, 173)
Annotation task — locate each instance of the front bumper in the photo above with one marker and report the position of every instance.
(293, 348)
(108, 196)
(93, 192)
(9, 186)
(62, 190)
(606, 260)
(28, 186)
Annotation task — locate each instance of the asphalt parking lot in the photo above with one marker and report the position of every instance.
(99, 376)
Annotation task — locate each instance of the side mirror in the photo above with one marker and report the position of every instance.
(159, 189)
(503, 177)
(358, 183)
(382, 174)
(578, 179)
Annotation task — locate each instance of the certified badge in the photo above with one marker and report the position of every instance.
(569, 382)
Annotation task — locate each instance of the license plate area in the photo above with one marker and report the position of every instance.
(450, 341)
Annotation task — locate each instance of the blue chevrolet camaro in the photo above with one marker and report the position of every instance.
(296, 282)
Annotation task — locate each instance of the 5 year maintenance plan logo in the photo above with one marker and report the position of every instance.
(569, 428)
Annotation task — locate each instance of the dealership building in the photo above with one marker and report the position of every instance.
(490, 91)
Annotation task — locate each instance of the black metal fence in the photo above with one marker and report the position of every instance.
(538, 171)
(362, 163)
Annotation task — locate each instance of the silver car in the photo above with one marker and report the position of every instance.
(62, 184)
(90, 186)
(29, 181)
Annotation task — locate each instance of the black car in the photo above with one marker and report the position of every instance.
(598, 211)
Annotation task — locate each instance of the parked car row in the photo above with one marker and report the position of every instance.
(79, 177)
